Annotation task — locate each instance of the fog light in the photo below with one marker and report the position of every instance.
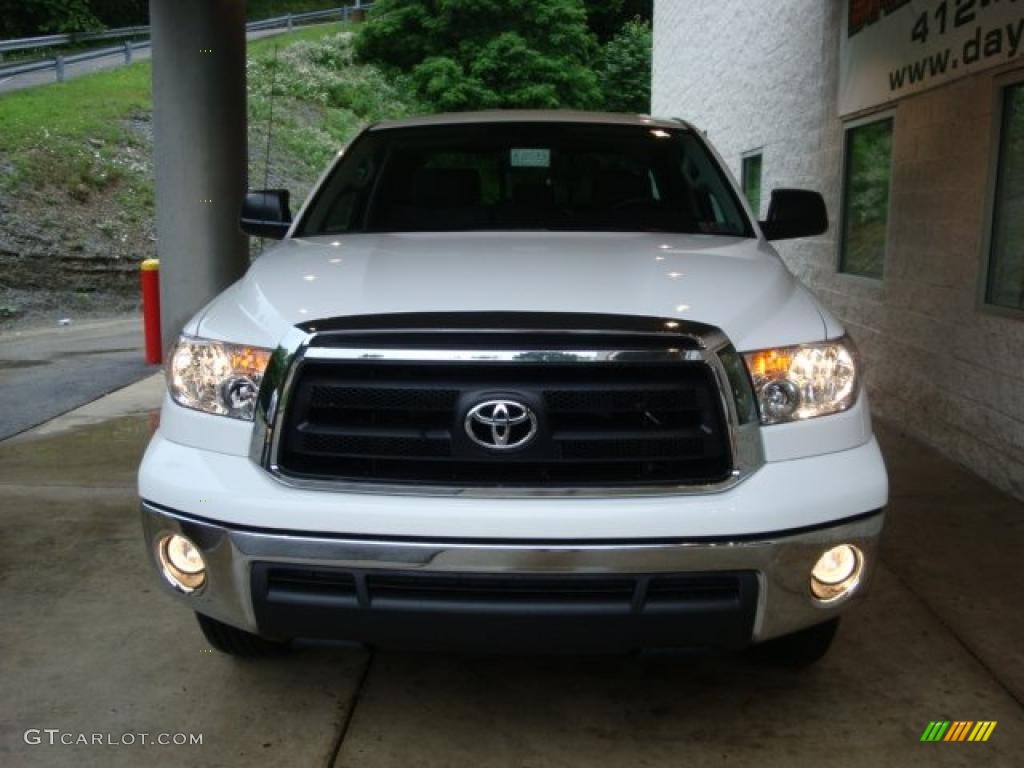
(837, 573)
(181, 562)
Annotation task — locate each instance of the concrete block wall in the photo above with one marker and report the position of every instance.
(764, 75)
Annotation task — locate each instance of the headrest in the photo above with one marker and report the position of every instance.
(535, 195)
(616, 186)
(446, 188)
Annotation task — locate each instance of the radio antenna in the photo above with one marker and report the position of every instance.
(270, 121)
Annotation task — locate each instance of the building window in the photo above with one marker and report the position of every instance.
(1005, 286)
(751, 179)
(867, 170)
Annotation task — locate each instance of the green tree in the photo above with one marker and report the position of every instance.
(121, 13)
(625, 69)
(480, 54)
(41, 17)
(606, 17)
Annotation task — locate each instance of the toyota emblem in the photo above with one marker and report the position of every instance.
(501, 425)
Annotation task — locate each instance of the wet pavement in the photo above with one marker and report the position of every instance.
(46, 372)
(89, 644)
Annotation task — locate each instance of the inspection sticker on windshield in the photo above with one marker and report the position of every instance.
(531, 158)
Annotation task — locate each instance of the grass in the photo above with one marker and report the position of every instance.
(269, 9)
(68, 135)
(257, 10)
(301, 34)
(321, 96)
(76, 176)
(92, 106)
(80, 151)
(88, 106)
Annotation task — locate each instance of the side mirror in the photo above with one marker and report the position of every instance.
(265, 213)
(795, 213)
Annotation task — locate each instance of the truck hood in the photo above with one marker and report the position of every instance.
(737, 284)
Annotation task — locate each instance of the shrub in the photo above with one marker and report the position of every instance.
(625, 69)
(41, 17)
(480, 54)
(606, 17)
(321, 96)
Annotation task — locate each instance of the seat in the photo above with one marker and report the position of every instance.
(446, 188)
(616, 186)
(441, 199)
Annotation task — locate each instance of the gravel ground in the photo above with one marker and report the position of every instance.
(76, 216)
(71, 248)
(73, 253)
(22, 310)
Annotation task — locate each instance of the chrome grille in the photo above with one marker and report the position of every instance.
(613, 423)
(628, 406)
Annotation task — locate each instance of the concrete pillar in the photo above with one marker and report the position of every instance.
(199, 125)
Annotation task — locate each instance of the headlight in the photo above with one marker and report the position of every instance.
(802, 382)
(216, 377)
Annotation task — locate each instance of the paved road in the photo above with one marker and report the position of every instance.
(90, 644)
(46, 372)
(47, 76)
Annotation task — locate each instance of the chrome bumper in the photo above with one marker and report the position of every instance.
(782, 561)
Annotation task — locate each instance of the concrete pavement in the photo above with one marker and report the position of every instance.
(89, 645)
(48, 371)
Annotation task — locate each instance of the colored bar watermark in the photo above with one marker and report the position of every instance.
(958, 730)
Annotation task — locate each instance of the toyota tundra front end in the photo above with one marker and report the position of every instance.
(518, 380)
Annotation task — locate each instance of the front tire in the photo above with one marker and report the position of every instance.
(798, 650)
(238, 642)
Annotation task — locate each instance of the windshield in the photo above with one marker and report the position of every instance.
(540, 176)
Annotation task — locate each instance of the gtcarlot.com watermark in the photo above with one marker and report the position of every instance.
(56, 737)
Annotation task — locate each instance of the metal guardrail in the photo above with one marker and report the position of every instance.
(48, 41)
(291, 19)
(128, 47)
(58, 63)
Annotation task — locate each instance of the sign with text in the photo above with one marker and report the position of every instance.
(889, 49)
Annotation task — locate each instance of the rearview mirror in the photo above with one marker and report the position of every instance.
(265, 213)
(795, 213)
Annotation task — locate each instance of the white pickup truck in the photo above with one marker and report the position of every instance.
(518, 380)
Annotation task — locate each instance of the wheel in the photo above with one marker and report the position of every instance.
(238, 642)
(800, 649)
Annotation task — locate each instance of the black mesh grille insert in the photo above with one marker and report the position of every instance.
(629, 591)
(505, 612)
(472, 588)
(599, 424)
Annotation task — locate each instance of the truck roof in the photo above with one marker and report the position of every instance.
(529, 116)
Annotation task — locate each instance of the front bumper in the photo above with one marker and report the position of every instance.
(436, 593)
